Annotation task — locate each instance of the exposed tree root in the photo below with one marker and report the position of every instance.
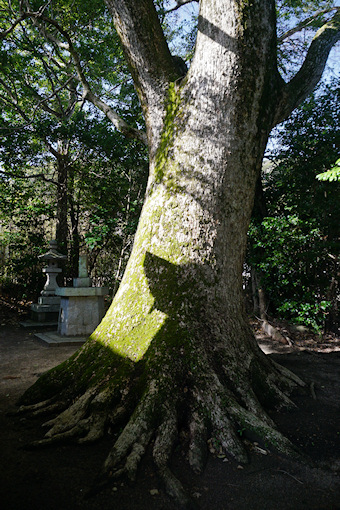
(154, 401)
(43, 408)
(198, 447)
(274, 333)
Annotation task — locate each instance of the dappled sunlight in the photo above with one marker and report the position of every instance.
(166, 304)
(136, 342)
(161, 292)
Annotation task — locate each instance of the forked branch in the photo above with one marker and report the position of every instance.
(304, 82)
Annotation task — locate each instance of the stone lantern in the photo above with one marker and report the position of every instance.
(47, 308)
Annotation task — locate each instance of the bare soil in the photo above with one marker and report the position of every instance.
(57, 477)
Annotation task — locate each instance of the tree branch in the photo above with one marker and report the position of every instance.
(304, 82)
(21, 18)
(42, 100)
(12, 95)
(52, 77)
(304, 24)
(14, 105)
(116, 120)
(55, 92)
(146, 50)
(180, 3)
(34, 176)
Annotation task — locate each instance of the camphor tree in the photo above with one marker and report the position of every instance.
(175, 350)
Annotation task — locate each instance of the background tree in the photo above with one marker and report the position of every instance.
(178, 319)
(111, 181)
(50, 140)
(23, 220)
(105, 187)
(295, 243)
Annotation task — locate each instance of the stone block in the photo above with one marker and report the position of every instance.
(80, 315)
(49, 300)
(81, 291)
(44, 313)
(82, 282)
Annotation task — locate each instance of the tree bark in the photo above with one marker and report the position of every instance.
(175, 349)
(73, 208)
(62, 203)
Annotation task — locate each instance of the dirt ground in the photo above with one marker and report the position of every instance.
(56, 478)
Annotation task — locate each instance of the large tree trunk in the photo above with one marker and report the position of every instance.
(175, 349)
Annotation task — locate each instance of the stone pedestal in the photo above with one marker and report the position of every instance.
(46, 310)
(81, 309)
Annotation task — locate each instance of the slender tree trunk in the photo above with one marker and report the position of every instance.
(258, 214)
(332, 322)
(74, 221)
(67, 236)
(260, 301)
(62, 204)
